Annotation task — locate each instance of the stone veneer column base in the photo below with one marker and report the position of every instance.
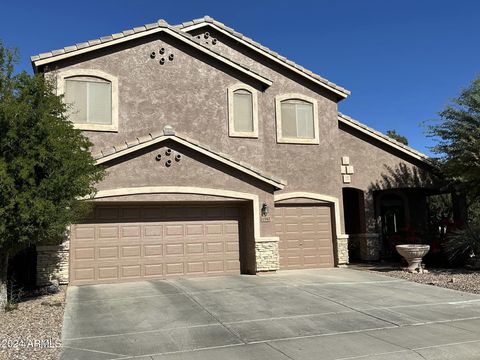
(342, 250)
(368, 246)
(52, 263)
(266, 253)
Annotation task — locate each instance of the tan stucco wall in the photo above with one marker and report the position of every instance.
(190, 94)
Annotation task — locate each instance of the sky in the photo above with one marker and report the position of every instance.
(403, 60)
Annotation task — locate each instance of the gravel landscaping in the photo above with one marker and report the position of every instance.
(33, 330)
(456, 279)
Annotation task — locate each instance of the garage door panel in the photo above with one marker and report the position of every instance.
(174, 230)
(153, 270)
(107, 253)
(87, 253)
(131, 231)
(153, 231)
(174, 269)
(305, 233)
(231, 229)
(108, 273)
(213, 229)
(86, 233)
(108, 232)
(131, 271)
(174, 249)
(142, 242)
(194, 248)
(194, 229)
(85, 274)
(131, 251)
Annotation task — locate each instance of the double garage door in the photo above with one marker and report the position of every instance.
(134, 242)
(305, 236)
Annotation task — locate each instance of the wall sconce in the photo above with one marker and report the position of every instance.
(265, 209)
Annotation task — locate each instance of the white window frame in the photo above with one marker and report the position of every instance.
(278, 113)
(231, 120)
(64, 75)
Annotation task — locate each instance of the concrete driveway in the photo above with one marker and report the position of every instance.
(305, 314)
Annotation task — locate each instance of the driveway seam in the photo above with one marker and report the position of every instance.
(278, 350)
(212, 315)
(94, 351)
(349, 307)
(141, 332)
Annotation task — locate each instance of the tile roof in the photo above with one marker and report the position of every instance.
(178, 29)
(138, 143)
(382, 137)
(238, 35)
(131, 33)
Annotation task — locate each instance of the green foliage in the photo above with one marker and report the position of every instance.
(458, 134)
(461, 244)
(45, 164)
(395, 136)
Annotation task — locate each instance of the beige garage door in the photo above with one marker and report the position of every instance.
(305, 236)
(123, 243)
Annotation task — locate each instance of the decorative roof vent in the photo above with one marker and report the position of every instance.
(168, 130)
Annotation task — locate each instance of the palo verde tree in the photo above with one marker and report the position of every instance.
(458, 150)
(45, 164)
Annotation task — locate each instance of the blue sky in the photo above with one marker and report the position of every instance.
(403, 60)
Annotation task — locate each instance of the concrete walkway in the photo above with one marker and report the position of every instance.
(304, 314)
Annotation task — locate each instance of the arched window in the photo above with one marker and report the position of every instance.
(92, 99)
(242, 108)
(296, 119)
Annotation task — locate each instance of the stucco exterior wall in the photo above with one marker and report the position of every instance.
(190, 93)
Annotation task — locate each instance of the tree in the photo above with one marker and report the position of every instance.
(45, 164)
(395, 136)
(458, 147)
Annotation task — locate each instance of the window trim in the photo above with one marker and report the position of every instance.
(61, 80)
(278, 115)
(231, 120)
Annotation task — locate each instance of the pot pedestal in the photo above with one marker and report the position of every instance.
(413, 253)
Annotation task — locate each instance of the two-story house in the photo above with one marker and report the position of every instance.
(222, 156)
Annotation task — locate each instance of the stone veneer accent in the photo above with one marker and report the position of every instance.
(342, 250)
(53, 263)
(267, 255)
(367, 246)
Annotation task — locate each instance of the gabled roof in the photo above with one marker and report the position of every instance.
(217, 25)
(347, 120)
(168, 133)
(137, 32)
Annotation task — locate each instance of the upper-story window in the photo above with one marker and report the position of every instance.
(297, 119)
(92, 97)
(242, 111)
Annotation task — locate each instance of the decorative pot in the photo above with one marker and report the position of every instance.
(413, 253)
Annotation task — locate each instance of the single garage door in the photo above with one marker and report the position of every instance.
(133, 242)
(305, 236)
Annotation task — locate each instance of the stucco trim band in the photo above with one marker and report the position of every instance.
(357, 125)
(276, 58)
(256, 174)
